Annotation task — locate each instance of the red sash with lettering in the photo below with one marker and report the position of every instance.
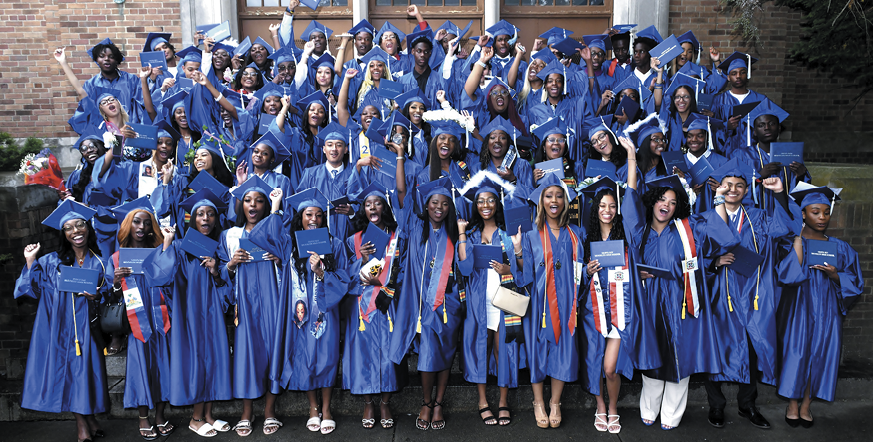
(689, 269)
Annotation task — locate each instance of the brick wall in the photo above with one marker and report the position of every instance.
(35, 97)
(815, 102)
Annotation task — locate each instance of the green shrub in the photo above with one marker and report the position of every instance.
(11, 153)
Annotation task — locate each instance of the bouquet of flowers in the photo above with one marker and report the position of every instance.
(42, 168)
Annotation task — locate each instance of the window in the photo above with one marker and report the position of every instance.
(426, 2)
(553, 2)
(278, 3)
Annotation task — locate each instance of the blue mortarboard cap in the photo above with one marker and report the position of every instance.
(805, 194)
(482, 182)
(191, 53)
(650, 33)
(374, 130)
(374, 189)
(555, 35)
(732, 168)
(66, 211)
(426, 34)
(310, 197)
(555, 67)
(315, 26)
(767, 107)
(689, 37)
(376, 53)
(325, 60)
(363, 26)
(315, 97)
(693, 70)
(502, 27)
(334, 131)
(414, 95)
(154, 39)
(388, 27)
(699, 121)
(487, 45)
(681, 79)
(203, 197)
(547, 181)
(442, 186)
(209, 144)
(601, 41)
(497, 81)
(599, 123)
(450, 28)
(624, 29)
(643, 129)
(737, 60)
(90, 132)
(286, 53)
(499, 123)
(166, 130)
(175, 100)
(269, 89)
(120, 212)
(604, 183)
(554, 125)
(102, 92)
(397, 119)
(633, 82)
(223, 47)
(672, 182)
(446, 127)
(546, 55)
(254, 183)
(280, 151)
(262, 42)
(105, 41)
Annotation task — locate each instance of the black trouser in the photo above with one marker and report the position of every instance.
(747, 393)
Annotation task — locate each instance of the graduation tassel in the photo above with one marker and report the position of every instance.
(618, 198)
(78, 349)
(748, 130)
(390, 323)
(683, 298)
(749, 70)
(709, 134)
(76, 327)
(544, 319)
(445, 316)
(728, 288)
(696, 91)
(361, 326)
(418, 327)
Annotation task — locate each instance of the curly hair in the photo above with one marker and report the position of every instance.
(683, 207)
(618, 157)
(116, 53)
(617, 231)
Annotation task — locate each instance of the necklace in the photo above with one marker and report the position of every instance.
(81, 261)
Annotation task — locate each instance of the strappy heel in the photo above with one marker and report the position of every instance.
(420, 423)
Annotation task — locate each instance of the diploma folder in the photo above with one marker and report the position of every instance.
(608, 253)
(667, 50)
(78, 280)
(555, 166)
(146, 136)
(484, 254)
(600, 168)
(198, 244)
(656, 271)
(820, 252)
(317, 240)
(389, 159)
(256, 251)
(133, 258)
(746, 261)
(700, 171)
(673, 158)
(155, 59)
(390, 89)
(378, 237)
(786, 152)
(517, 216)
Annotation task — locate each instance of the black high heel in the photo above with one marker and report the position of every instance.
(793, 423)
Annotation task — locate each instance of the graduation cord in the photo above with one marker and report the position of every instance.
(757, 275)
(421, 288)
(73, 300)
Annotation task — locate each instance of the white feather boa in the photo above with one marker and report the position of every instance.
(477, 180)
(466, 123)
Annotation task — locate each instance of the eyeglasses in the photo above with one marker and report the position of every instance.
(555, 140)
(84, 147)
(79, 225)
(487, 201)
(108, 100)
(285, 68)
(682, 97)
(499, 92)
(659, 140)
(599, 138)
(249, 74)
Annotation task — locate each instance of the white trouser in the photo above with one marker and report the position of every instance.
(668, 398)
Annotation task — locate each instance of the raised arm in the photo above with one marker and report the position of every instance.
(341, 53)
(472, 83)
(342, 102)
(144, 74)
(68, 71)
(659, 82)
(303, 65)
(512, 76)
(631, 161)
(201, 79)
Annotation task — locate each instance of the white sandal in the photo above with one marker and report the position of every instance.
(243, 425)
(204, 430)
(272, 422)
(313, 424)
(220, 425)
(598, 421)
(613, 423)
(327, 426)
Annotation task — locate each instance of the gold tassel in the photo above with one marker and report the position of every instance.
(544, 319)
(683, 308)
(390, 323)
(756, 301)
(730, 306)
(361, 326)
(79, 349)
(445, 316)
(418, 327)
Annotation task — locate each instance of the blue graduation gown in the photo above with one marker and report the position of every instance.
(520, 168)
(358, 181)
(303, 362)
(689, 345)
(55, 379)
(479, 361)
(705, 197)
(810, 321)
(147, 376)
(638, 348)
(167, 200)
(319, 178)
(674, 123)
(129, 87)
(96, 198)
(722, 106)
(574, 111)
(255, 293)
(559, 360)
(756, 158)
(438, 340)
(303, 151)
(366, 366)
(753, 300)
(200, 365)
(435, 82)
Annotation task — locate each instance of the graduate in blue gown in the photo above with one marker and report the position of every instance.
(429, 310)
(147, 376)
(554, 140)
(332, 177)
(651, 141)
(620, 335)
(255, 294)
(738, 67)
(767, 118)
(445, 154)
(699, 144)
(307, 340)
(493, 339)
(107, 56)
(675, 240)
(499, 142)
(367, 370)
(814, 304)
(675, 107)
(530, 86)
(64, 363)
(605, 147)
(160, 41)
(199, 297)
(359, 143)
(496, 99)
(576, 110)
(261, 160)
(426, 73)
(300, 133)
(549, 263)
(745, 309)
(364, 86)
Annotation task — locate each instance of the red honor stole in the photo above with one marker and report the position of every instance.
(617, 277)
(551, 289)
(689, 268)
(383, 277)
(136, 315)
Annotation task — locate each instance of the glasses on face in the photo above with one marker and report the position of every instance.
(555, 140)
(482, 202)
(659, 140)
(599, 138)
(682, 97)
(106, 101)
(499, 92)
(286, 68)
(85, 147)
(79, 225)
(249, 74)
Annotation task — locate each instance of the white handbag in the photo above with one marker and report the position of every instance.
(510, 302)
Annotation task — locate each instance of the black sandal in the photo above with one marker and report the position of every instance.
(420, 423)
(440, 424)
(491, 418)
(504, 420)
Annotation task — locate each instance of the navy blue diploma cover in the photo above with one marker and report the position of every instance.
(608, 253)
(379, 239)
(155, 59)
(656, 271)
(317, 240)
(600, 168)
(746, 261)
(198, 244)
(389, 159)
(673, 158)
(821, 252)
(220, 32)
(517, 216)
(146, 136)
(484, 254)
(264, 123)
(667, 50)
(390, 89)
(555, 166)
(700, 171)
(78, 280)
(133, 258)
(254, 250)
(786, 152)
